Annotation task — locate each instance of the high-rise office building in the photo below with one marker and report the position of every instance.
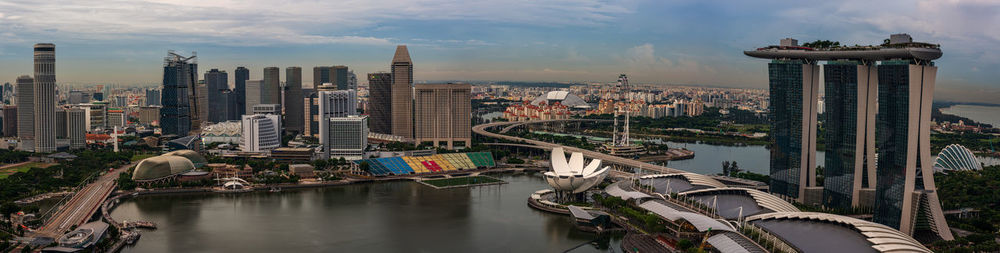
(60, 123)
(217, 85)
(252, 97)
(335, 104)
(340, 77)
(270, 92)
(794, 88)
(850, 89)
(905, 192)
(152, 97)
(261, 132)
(293, 100)
(179, 78)
(76, 129)
(443, 114)
(45, 97)
(242, 74)
(352, 80)
(149, 114)
(380, 102)
(346, 137)
(402, 93)
(201, 95)
(321, 75)
(9, 121)
(26, 112)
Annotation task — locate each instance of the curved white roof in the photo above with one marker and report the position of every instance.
(563, 97)
(956, 157)
(763, 199)
(694, 178)
(701, 222)
(572, 175)
(882, 238)
(616, 190)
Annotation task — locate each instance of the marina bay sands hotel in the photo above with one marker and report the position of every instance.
(876, 122)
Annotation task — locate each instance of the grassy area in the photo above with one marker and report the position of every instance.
(4, 173)
(137, 157)
(460, 181)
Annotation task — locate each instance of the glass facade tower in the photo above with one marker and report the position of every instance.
(849, 136)
(793, 93)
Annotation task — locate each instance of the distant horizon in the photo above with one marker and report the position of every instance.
(661, 42)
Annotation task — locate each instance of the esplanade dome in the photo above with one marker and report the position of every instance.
(162, 166)
(197, 159)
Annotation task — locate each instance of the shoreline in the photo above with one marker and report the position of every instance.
(117, 196)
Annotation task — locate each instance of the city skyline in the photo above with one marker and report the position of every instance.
(564, 41)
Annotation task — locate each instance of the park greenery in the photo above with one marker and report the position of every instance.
(822, 44)
(63, 176)
(978, 190)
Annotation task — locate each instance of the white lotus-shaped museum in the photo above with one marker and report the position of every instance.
(572, 176)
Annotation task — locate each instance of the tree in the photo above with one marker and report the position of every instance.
(725, 168)
(734, 169)
(9, 208)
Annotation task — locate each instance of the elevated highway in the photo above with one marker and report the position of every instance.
(82, 206)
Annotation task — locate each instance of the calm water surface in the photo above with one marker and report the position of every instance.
(985, 114)
(397, 216)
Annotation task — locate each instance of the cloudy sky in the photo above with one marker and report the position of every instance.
(670, 42)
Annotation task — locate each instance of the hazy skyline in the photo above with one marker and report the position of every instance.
(666, 42)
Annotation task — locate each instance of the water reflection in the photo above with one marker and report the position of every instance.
(384, 217)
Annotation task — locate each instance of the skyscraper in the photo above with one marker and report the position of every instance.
(253, 89)
(321, 75)
(152, 97)
(10, 121)
(179, 77)
(850, 88)
(334, 104)
(402, 93)
(60, 123)
(293, 100)
(45, 97)
(905, 190)
(380, 102)
(443, 114)
(240, 92)
(346, 137)
(905, 196)
(217, 85)
(76, 129)
(26, 112)
(793, 92)
(270, 92)
(340, 77)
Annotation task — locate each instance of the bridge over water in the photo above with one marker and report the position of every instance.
(619, 162)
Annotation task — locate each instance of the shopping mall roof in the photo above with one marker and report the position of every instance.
(733, 203)
(823, 232)
(680, 182)
(701, 222)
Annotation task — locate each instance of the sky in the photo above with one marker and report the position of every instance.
(698, 42)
